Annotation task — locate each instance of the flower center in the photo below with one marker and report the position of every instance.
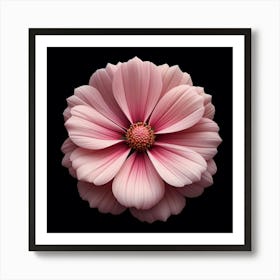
(140, 136)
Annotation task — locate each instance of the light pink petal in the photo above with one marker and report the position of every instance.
(177, 166)
(82, 96)
(102, 80)
(171, 204)
(100, 166)
(78, 99)
(178, 109)
(100, 197)
(88, 129)
(172, 77)
(72, 172)
(211, 167)
(193, 190)
(138, 184)
(206, 177)
(67, 114)
(110, 69)
(197, 188)
(66, 162)
(137, 87)
(88, 95)
(67, 148)
(203, 138)
(209, 107)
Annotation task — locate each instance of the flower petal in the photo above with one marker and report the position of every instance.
(177, 166)
(137, 184)
(172, 77)
(171, 204)
(197, 188)
(88, 95)
(209, 107)
(178, 109)
(203, 138)
(67, 114)
(99, 167)
(100, 197)
(193, 190)
(89, 129)
(211, 167)
(67, 148)
(137, 87)
(102, 80)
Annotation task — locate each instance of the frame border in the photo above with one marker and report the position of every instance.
(246, 32)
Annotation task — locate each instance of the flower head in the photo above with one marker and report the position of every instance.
(141, 137)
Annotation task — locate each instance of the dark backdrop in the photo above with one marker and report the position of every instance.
(69, 68)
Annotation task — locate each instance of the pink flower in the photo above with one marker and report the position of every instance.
(141, 137)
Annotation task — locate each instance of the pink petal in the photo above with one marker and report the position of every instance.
(67, 114)
(211, 167)
(209, 111)
(72, 172)
(177, 166)
(203, 138)
(193, 190)
(206, 177)
(172, 77)
(66, 162)
(171, 204)
(138, 184)
(110, 69)
(178, 109)
(67, 148)
(89, 129)
(88, 95)
(137, 87)
(209, 107)
(197, 188)
(102, 80)
(100, 197)
(99, 167)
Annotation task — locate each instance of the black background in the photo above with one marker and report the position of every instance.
(69, 68)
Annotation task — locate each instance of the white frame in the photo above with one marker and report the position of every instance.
(236, 41)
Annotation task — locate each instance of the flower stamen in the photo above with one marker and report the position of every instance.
(140, 136)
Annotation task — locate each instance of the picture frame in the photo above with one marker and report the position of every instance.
(46, 47)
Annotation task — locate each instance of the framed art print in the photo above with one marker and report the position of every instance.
(140, 139)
